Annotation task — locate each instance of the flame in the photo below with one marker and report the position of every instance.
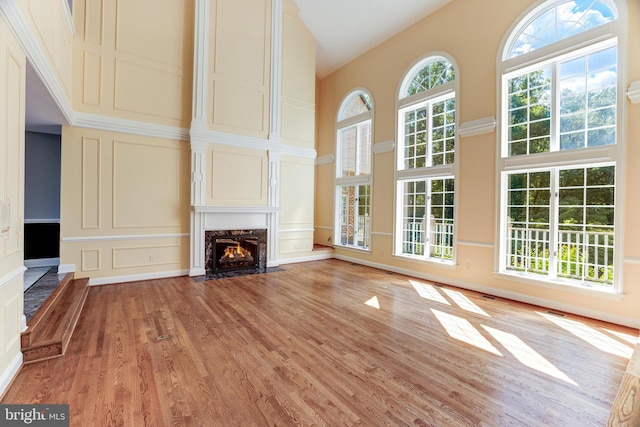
(236, 251)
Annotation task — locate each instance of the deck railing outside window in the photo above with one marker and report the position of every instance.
(440, 239)
(581, 255)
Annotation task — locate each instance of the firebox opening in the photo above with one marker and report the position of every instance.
(235, 250)
(237, 253)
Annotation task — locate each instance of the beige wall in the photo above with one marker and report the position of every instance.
(51, 25)
(12, 98)
(456, 31)
(296, 203)
(132, 71)
(297, 178)
(239, 66)
(124, 203)
(298, 81)
(236, 176)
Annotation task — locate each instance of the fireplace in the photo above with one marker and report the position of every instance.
(235, 252)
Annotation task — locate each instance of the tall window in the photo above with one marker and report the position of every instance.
(559, 137)
(426, 171)
(353, 171)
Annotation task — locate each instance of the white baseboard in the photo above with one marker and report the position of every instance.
(137, 277)
(10, 372)
(542, 302)
(66, 268)
(317, 257)
(41, 262)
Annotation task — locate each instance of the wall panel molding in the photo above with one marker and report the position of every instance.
(91, 260)
(135, 210)
(145, 256)
(92, 94)
(91, 183)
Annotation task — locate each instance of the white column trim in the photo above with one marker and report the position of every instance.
(275, 117)
(200, 61)
(199, 135)
(273, 218)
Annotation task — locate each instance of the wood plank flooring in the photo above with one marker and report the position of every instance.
(326, 343)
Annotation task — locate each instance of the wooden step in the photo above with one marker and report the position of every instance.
(50, 329)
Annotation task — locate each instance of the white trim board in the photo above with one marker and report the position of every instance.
(41, 262)
(309, 258)
(124, 237)
(137, 277)
(10, 277)
(10, 372)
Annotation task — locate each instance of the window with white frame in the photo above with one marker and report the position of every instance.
(426, 169)
(559, 139)
(353, 171)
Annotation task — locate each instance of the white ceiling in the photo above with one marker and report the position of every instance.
(41, 113)
(345, 29)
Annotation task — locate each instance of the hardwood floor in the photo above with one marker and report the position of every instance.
(326, 343)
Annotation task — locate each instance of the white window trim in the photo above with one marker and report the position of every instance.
(431, 172)
(358, 180)
(612, 32)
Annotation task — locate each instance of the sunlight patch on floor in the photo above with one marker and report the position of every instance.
(373, 302)
(631, 339)
(463, 302)
(592, 336)
(429, 292)
(461, 329)
(526, 355)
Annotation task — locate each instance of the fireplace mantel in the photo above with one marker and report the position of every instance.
(234, 209)
(209, 217)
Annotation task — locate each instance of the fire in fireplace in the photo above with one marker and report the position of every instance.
(235, 255)
(233, 250)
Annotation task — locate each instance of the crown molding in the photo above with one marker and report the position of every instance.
(477, 127)
(384, 147)
(68, 16)
(115, 124)
(634, 92)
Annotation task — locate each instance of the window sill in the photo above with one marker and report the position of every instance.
(560, 285)
(451, 265)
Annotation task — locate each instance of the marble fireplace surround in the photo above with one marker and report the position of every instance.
(210, 218)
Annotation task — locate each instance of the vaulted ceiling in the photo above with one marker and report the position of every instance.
(345, 29)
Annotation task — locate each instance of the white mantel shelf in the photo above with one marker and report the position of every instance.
(234, 209)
